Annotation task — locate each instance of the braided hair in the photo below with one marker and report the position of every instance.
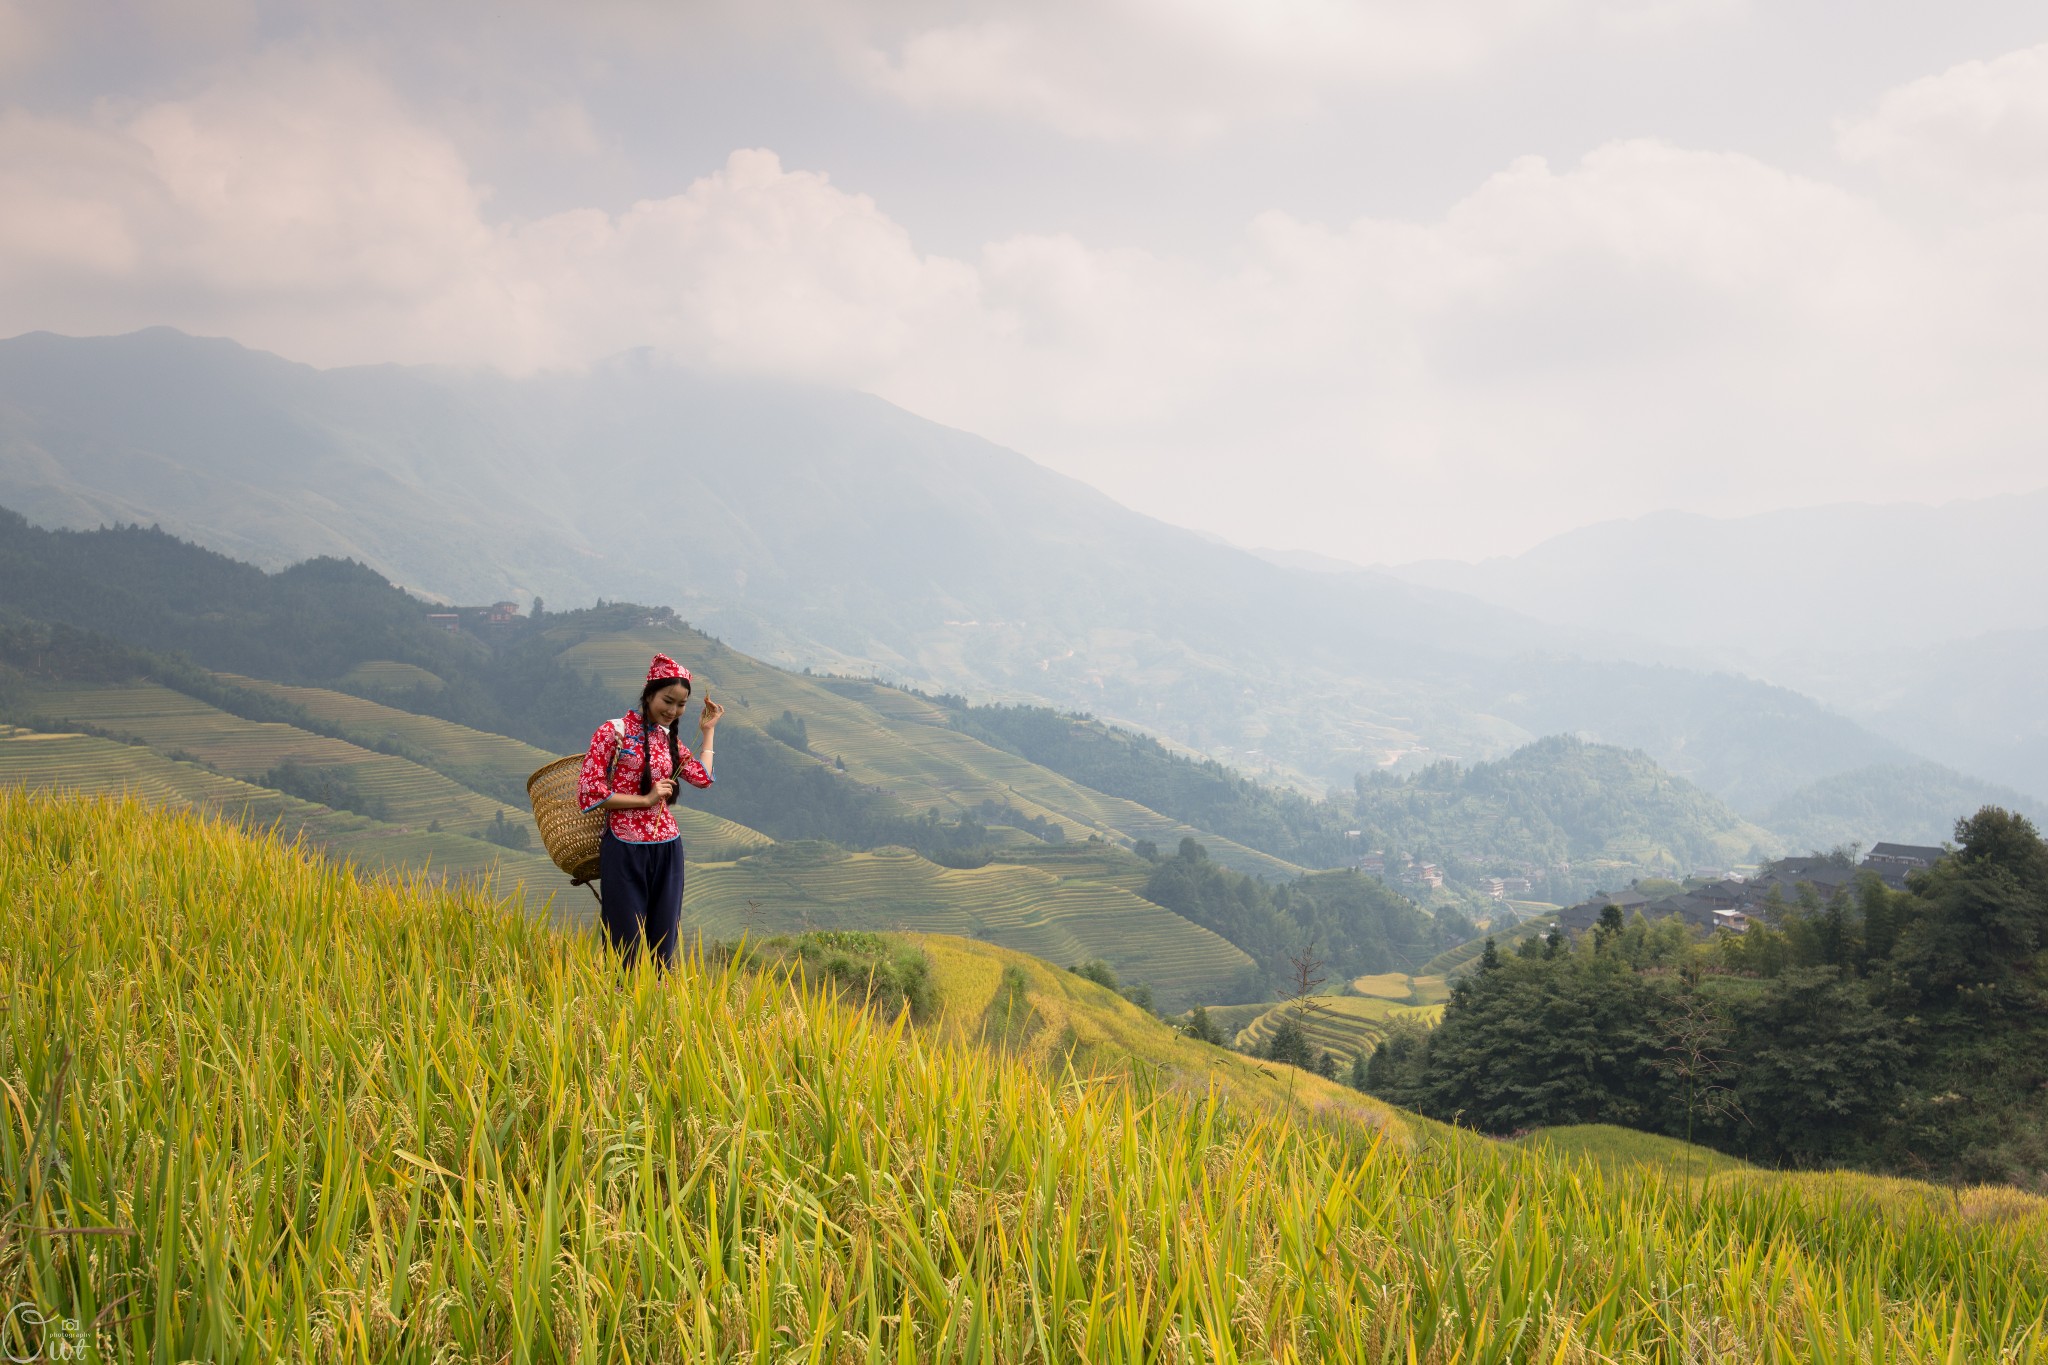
(675, 757)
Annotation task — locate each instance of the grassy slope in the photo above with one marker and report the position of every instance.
(458, 748)
(891, 739)
(173, 723)
(1019, 907)
(372, 1123)
(83, 763)
(1084, 908)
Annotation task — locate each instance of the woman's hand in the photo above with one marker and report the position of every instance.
(663, 791)
(708, 721)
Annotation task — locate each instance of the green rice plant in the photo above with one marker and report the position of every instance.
(254, 1109)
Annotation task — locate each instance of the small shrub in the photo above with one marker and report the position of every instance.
(1098, 971)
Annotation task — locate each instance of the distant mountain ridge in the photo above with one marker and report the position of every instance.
(1846, 576)
(1927, 624)
(830, 529)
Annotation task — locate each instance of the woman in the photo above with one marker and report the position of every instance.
(631, 773)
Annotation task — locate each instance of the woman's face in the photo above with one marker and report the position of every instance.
(668, 703)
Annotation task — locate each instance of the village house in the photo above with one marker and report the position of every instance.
(1732, 903)
(1423, 874)
(1892, 862)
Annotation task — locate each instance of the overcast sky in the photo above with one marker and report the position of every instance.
(1382, 280)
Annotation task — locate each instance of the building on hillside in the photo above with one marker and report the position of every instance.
(1725, 894)
(1494, 888)
(446, 620)
(1583, 916)
(1695, 912)
(1825, 875)
(1699, 912)
(503, 613)
(1892, 862)
(1373, 864)
(1423, 874)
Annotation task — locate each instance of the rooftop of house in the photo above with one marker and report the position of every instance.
(1913, 853)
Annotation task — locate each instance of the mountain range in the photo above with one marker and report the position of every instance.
(826, 529)
(1925, 624)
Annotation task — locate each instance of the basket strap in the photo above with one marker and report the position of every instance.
(618, 725)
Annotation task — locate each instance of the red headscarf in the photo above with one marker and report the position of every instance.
(665, 667)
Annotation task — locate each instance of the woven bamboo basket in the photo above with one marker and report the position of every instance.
(571, 835)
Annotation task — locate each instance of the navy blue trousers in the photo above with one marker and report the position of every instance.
(643, 893)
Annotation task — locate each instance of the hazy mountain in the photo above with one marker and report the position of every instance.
(1975, 704)
(1848, 577)
(1910, 805)
(1929, 625)
(825, 528)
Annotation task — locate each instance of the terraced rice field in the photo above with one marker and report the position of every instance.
(891, 739)
(175, 724)
(1229, 1020)
(369, 721)
(1105, 863)
(459, 751)
(1452, 961)
(1403, 989)
(83, 763)
(1016, 907)
(388, 675)
(1341, 1025)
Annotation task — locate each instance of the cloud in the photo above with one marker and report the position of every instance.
(1186, 71)
(1646, 326)
(306, 208)
(1977, 133)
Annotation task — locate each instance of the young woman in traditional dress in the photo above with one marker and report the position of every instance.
(630, 773)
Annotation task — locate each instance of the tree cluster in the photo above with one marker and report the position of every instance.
(1903, 1031)
(1361, 925)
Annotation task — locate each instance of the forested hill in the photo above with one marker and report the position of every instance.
(310, 623)
(131, 661)
(1905, 1031)
(1608, 813)
(830, 530)
(1202, 792)
(1571, 814)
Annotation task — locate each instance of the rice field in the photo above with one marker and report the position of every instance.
(389, 675)
(458, 751)
(1096, 862)
(1402, 988)
(173, 723)
(50, 762)
(791, 890)
(368, 721)
(891, 739)
(1452, 961)
(291, 1116)
(1341, 1025)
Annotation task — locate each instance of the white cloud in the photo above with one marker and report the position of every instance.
(1977, 133)
(1648, 326)
(1180, 71)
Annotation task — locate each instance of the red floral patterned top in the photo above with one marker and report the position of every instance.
(623, 756)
